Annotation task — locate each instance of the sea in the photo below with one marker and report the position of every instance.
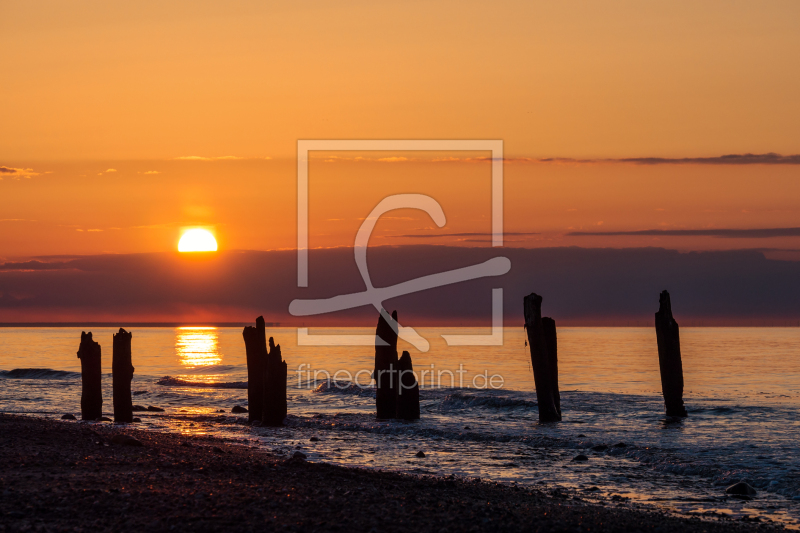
(479, 411)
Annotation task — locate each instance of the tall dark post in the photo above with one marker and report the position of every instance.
(407, 390)
(91, 378)
(669, 357)
(122, 375)
(255, 344)
(385, 374)
(275, 408)
(542, 343)
(551, 340)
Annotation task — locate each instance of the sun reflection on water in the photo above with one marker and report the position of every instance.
(198, 347)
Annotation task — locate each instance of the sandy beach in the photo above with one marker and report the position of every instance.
(72, 476)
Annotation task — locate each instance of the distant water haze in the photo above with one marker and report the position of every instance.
(580, 286)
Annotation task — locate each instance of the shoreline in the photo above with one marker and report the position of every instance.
(66, 475)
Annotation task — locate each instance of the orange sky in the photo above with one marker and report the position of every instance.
(93, 86)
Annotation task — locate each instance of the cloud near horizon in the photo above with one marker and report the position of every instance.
(723, 233)
(216, 158)
(17, 172)
(581, 286)
(770, 158)
(439, 235)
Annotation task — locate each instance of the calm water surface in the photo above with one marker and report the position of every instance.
(742, 393)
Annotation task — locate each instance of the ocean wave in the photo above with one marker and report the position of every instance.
(170, 381)
(345, 387)
(461, 400)
(38, 373)
(212, 369)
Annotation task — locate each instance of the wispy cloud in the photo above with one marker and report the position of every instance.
(442, 235)
(204, 158)
(17, 172)
(770, 158)
(725, 233)
(151, 172)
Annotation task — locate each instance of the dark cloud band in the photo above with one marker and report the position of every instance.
(764, 233)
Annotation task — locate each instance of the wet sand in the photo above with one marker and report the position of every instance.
(69, 476)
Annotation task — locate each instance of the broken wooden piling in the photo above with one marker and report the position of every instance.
(122, 375)
(407, 390)
(274, 410)
(255, 344)
(669, 357)
(543, 346)
(91, 378)
(385, 373)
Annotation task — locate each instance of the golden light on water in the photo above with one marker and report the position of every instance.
(197, 346)
(197, 240)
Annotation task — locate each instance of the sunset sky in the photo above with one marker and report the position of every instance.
(123, 124)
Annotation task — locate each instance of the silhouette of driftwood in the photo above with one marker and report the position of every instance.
(255, 344)
(407, 390)
(91, 378)
(274, 409)
(544, 358)
(669, 357)
(122, 375)
(385, 374)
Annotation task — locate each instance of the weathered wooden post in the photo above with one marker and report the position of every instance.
(542, 343)
(275, 407)
(122, 375)
(551, 340)
(255, 344)
(91, 378)
(669, 357)
(407, 389)
(385, 373)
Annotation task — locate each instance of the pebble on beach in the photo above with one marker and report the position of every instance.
(68, 417)
(741, 489)
(420, 454)
(153, 409)
(238, 409)
(580, 457)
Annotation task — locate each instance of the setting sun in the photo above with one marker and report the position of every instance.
(197, 240)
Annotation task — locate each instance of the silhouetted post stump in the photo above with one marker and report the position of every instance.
(275, 407)
(122, 375)
(386, 367)
(255, 344)
(669, 357)
(551, 340)
(542, 343)
(91, 378)
(407, 390)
